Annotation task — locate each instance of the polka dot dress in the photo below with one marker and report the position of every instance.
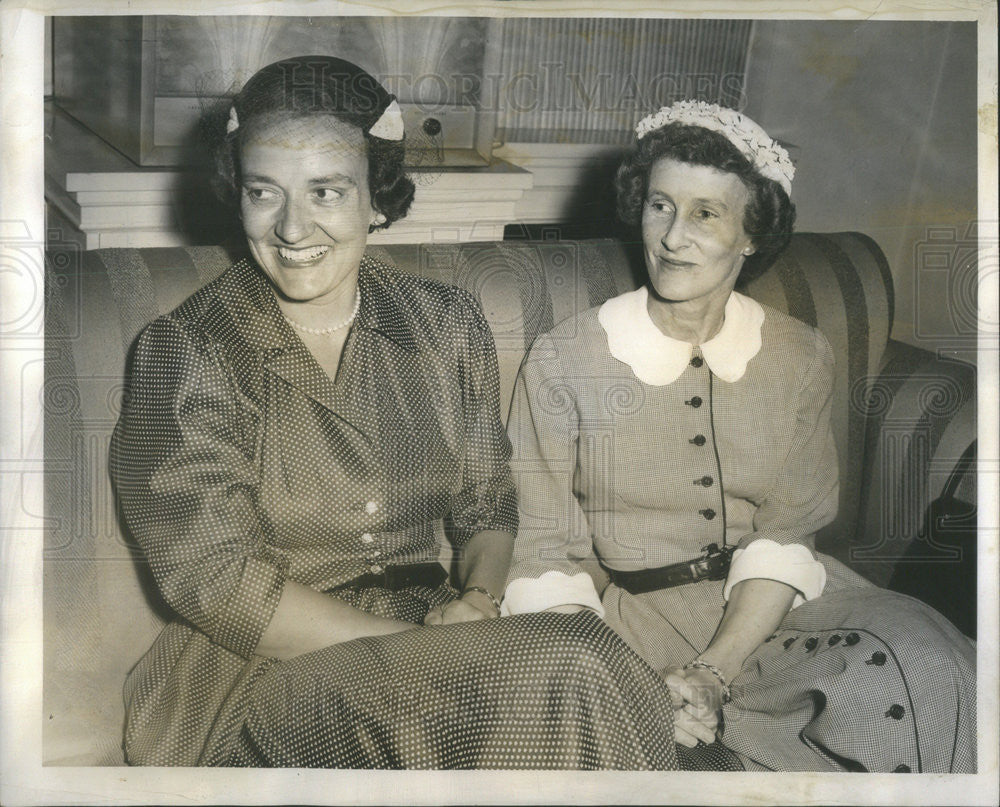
(540, 691)
(239, 464)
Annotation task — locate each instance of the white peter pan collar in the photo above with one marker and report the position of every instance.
(658, 359)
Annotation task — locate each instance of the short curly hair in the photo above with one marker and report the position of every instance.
(769, 216)
(309, 86)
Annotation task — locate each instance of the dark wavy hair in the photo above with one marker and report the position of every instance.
(769, 216)
(307, 86)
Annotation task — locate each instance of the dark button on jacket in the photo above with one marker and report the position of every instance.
(896, 712)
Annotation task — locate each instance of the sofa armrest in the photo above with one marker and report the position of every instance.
(916, 531)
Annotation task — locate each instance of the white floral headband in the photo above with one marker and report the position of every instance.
(388, 127)
(770, 159)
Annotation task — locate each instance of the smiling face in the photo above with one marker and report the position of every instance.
(692, 231)
(305, 204)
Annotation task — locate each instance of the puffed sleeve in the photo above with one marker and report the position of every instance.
(487, 499)
(554, 535)
(803, 497)
(182, 461)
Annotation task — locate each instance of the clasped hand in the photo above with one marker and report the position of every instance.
(458, 610)
(697, 697)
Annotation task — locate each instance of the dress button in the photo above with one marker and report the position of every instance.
(367, 537)
(708, 513)
(896, 712)
(811, 643)
(705, 481)
(852, 638)
(789, 642)
(371, 508)
(697, 361)
(878, 659)
(698, 440)
(833, 639)
(695, 401)
(375, 569)
(377, 553)
(901, 769)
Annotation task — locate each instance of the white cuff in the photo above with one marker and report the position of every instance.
(792, 564)
(526, 595)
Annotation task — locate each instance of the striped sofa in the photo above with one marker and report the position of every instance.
(904, 422)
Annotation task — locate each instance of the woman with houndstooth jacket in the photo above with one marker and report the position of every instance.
(674, 460)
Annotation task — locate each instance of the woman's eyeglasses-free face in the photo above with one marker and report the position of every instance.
(305, 204)
(692, 230)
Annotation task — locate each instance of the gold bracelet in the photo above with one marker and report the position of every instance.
(484, 592)
(704, 665)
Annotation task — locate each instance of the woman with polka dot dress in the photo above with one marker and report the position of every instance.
(296, 433)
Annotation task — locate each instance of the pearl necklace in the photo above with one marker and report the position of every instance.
(333, 328)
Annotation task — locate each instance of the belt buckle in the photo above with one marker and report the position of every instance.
(714, 565)
(389, 577)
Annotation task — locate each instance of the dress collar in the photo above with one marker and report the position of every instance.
(384, 306)
(658, 359)
(249, 296)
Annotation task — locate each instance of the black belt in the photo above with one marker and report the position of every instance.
(394, 578)
(713, 565)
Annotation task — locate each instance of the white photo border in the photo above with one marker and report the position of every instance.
(23, 779)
